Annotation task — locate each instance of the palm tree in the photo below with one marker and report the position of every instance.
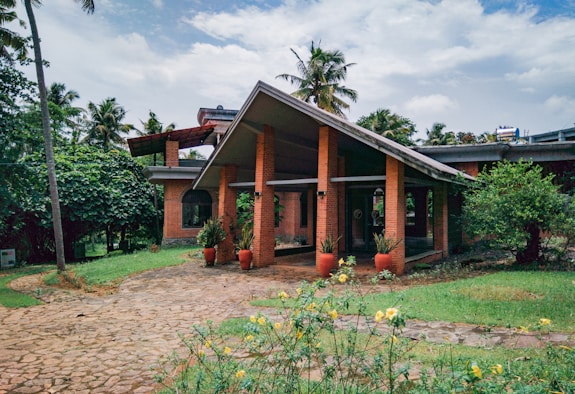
(392, 126)
(106, 124)
(436, 136)
(8, 38)
(319, 80)
(62, 111)
(88, 6)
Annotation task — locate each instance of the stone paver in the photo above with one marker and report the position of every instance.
(107, 344)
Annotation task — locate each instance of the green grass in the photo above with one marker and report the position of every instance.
(13, 299)
(110, 270)
(505, 299)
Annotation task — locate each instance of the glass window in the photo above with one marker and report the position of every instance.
(196, 208)
(303, 210)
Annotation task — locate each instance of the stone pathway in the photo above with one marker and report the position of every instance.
(83, 343)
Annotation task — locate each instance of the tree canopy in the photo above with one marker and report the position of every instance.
(395, 127)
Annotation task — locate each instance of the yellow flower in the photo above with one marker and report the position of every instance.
(394, 339)
(497, 369)
(208, 344)
(318, 345)
(298, 291)
(333, 314)
(262, 321)
(476, 371)
(201, 353)
(249, 338)
(227, 350)
(311, 307)
(341, 262)
(379, 316)
(390, 313)
(544, 322)
(283, 295)
(240, 374)
(523, 329)
(299, 334)
(253, 319)
(342, 278)
(277, 326)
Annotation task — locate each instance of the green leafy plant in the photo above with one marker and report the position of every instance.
(247, 238)
(328, 244)
(385, 245)
(211, 234)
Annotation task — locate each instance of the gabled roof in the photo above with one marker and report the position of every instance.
(296, 125)
(156, 143)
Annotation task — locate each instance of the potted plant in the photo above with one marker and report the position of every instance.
(384, 246)
(245, 243)
(209, 236)
(326, 257)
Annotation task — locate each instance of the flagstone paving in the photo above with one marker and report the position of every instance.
(85, 343)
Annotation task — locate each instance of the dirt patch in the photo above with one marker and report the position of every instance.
(497, 293)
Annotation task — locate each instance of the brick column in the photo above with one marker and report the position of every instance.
(440, 218)
(395, 211)
(172, 153)
(227, 212)
(327, 212)
(264, 223)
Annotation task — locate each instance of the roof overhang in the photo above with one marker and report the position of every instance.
(156, 143)
(296, 134)
(160, 174)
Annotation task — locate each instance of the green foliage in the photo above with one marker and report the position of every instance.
(329, 243)
(247, 238)
(392, 126)
(512, 204)
(385, 245)
(211, 234)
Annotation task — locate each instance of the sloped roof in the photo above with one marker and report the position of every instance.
(156, 143)
(296, 125)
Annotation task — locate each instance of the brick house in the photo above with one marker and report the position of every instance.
(330, 175)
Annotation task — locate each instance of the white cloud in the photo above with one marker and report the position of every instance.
(432, 104)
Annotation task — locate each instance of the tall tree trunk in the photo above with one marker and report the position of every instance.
(55, 199)
(531, 252)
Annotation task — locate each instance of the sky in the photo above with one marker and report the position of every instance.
(473, 65)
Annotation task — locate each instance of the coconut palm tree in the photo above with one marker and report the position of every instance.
(154, 126)
(64, 116)
(88, 6)
(8, 38)
(319, 80)
(390, 125)
(106, 125)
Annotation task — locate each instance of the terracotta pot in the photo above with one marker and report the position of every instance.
(326, 263)
(210, 256)
(245, 256)
(382, 262)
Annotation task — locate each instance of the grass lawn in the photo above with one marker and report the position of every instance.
(505, 299)
(13, 299)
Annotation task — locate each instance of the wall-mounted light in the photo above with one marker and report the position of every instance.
(321, 193)
(257, 194)
(378, 192)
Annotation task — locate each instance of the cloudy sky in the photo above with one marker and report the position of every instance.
(473, 65)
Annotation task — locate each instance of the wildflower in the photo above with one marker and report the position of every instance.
(544, 322)
(299, 290)
(318, 345)
(342, 278)
(208, 344)
(227, 350)
(341, 262)
(283, 295)
(240, 374)
(249, 338)
(333, 314)
(277, 325)
(201, 353)
(253, 319)
(390, 313)
(299, 334)
(262, 321)
(476, 371)
(523, 329)
(379, 316)
(497, 369)
(311, 307)
(394, 339)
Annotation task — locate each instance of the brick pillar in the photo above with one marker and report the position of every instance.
(264, 242)
(440, 219)
(395, 211)
(227, 212)
(172, 153)
(327, 213)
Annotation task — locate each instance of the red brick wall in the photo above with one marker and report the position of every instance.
(173, 192)
(440, 219)
(471, 168)
(395, 210)
(172, 153)
(264, 216)
(227, 212)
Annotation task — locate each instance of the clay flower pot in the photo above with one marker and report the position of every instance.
(210, 256)
(245, 256)
(382, 262)
(326, 263)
